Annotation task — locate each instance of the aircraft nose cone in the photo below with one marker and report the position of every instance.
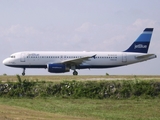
(5, 61)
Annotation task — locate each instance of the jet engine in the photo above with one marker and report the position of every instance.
(57, 68)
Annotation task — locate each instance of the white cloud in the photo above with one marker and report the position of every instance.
(30, 30)
(143, 23)
(14, 29)
(85, 27)
(18, 31)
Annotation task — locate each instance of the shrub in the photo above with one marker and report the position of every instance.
(4, 74)
(79, 89)
(107, 74)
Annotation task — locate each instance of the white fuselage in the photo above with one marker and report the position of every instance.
(40, 59)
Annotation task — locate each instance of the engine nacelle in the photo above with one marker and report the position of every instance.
(57, 68)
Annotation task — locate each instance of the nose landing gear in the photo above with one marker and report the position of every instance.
(23, 73)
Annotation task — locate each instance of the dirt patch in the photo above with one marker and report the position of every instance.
(18, 113)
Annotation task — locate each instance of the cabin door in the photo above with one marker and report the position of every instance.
(22, 57)
(124, 57)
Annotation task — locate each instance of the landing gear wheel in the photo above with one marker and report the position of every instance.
(75, 73)
(23, 73)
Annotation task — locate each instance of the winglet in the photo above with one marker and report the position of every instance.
(94, 56)
(141, 44)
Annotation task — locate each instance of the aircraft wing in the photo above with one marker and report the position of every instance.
(145, 56)
(77, 61)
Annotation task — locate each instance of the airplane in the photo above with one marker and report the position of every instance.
(63, 61)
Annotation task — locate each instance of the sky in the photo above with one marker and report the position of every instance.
(78, 25)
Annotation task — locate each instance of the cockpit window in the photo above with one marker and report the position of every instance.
(12, 56)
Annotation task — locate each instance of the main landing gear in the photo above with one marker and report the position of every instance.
(23, 73)
(75, 72)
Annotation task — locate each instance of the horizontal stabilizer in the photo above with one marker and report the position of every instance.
(146, 56)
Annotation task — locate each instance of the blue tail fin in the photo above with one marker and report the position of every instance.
(141, 44)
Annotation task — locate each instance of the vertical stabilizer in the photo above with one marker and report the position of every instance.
(141, 44)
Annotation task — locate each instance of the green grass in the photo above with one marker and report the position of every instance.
(83, 108)
(58, 78)
(108, 109)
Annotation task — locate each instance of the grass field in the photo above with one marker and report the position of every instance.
(65, 109)
(58, 78)
(19, 113)
(50, 108)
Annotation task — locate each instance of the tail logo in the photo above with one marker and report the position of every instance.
(140, 46)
